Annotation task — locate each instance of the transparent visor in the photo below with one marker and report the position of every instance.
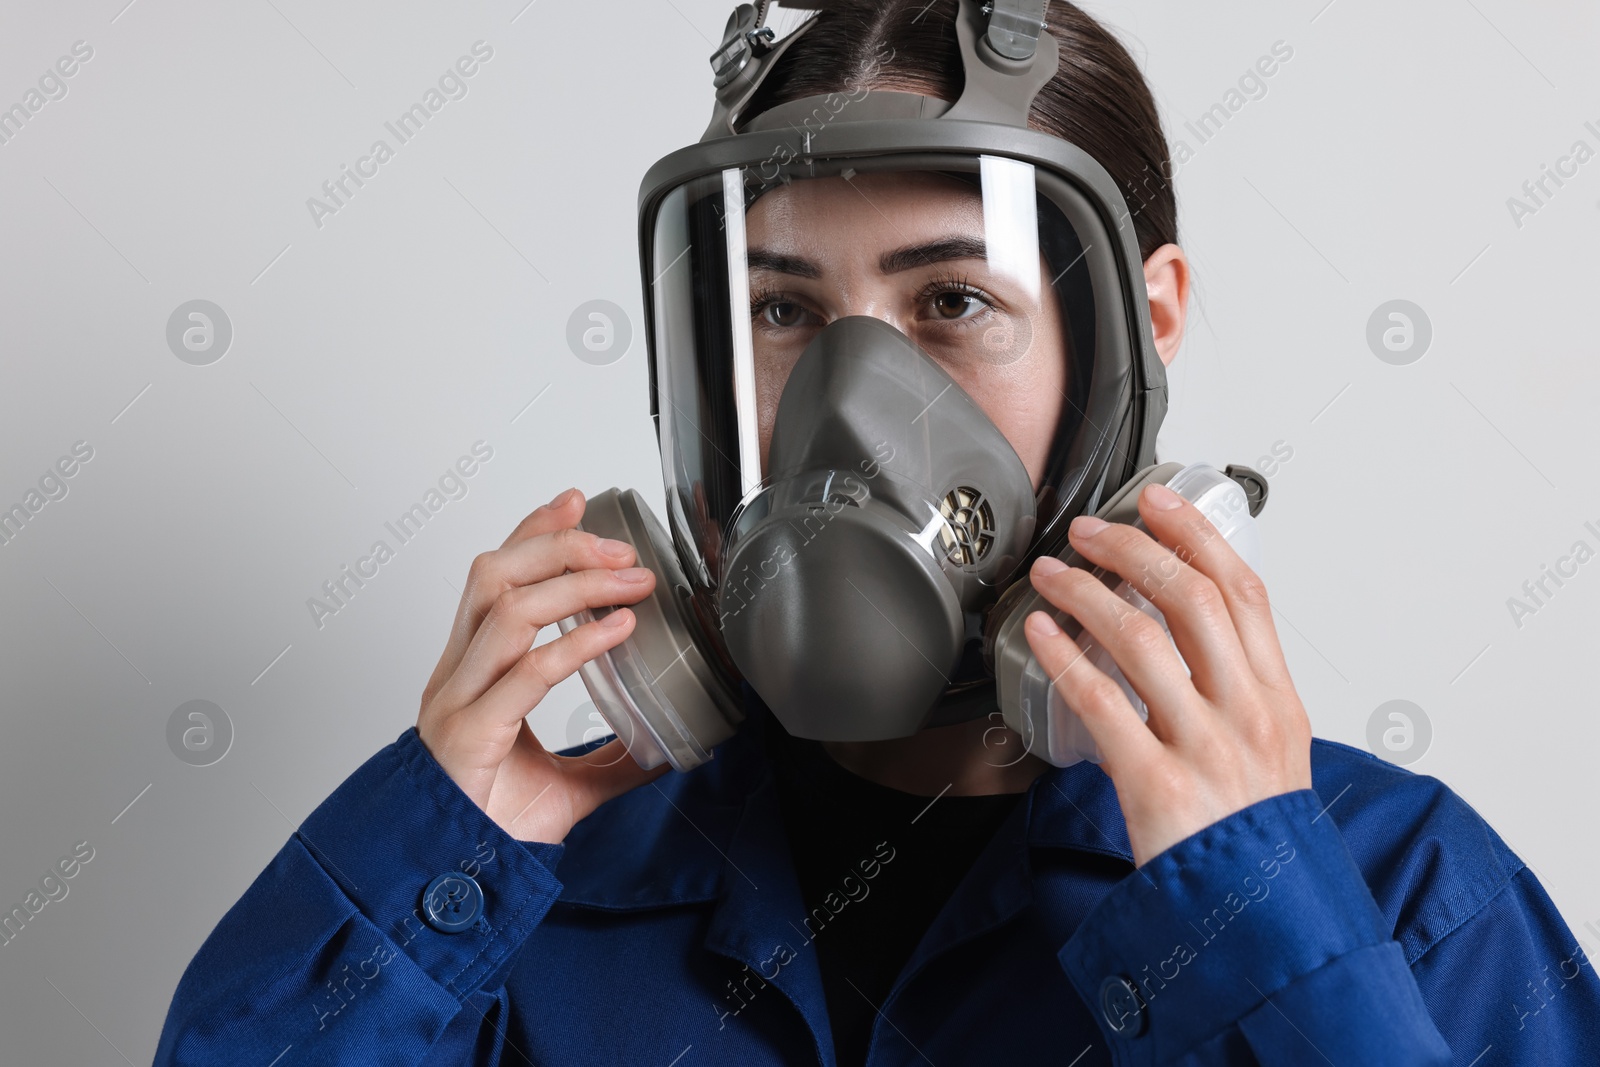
(1001, 273)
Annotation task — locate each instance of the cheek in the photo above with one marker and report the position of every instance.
(771, 376)
(765, 419)
(1024, 401)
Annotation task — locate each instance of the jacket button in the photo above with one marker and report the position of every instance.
(452, 902)
(1122, 1007)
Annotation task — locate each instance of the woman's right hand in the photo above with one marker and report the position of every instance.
(474, 709)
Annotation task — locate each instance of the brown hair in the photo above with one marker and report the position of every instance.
(1098, 99)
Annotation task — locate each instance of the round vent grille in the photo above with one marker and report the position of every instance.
(968, 533)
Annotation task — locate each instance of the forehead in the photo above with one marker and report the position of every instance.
(900, 206)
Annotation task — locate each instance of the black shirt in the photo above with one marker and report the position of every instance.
(875, 866)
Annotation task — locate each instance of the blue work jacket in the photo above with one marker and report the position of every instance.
(1373, 919)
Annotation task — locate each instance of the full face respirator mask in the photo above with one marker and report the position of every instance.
(833, 284)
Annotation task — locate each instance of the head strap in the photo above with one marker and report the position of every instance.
(1006, 54)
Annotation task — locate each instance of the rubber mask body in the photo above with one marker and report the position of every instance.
(857, 573)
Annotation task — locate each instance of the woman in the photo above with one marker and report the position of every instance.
(1220, 888)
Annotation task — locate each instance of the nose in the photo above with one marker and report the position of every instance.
(874, 306)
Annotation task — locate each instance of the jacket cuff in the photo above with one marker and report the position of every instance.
(398, 823)
(1208, 930)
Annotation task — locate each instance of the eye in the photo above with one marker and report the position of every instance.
(778, 310)
(953, 299)
(784, 313)
(957, 304)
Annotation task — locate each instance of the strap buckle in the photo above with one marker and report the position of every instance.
(745, 38)
(1014, 26)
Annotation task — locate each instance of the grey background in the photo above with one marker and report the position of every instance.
(368, 354)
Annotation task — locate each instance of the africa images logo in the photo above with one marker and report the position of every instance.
(452, 85)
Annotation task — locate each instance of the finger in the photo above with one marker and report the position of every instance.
(607, 772)
(1137, 643)
(534, 559)
(1123, 737)
(1190, 602)
(1201, 545)
(558, 514)
(519, 613)
(520, 689)
(539, 559)
(564, 510)
(573, 786)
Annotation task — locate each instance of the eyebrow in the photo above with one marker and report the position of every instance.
(891, 262)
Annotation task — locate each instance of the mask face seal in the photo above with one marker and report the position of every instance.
(999, 275)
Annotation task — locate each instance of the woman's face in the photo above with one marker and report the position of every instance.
(908, 248)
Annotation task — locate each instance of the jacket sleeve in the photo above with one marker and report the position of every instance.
(331, 953)
(1255, 940)
(1512, 984)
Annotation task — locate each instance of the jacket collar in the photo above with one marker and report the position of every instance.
(682, 828)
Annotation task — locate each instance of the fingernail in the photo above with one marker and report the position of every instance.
(633, 574)
(617, 549)
(1045, 566)
(1087, 526)
(614, 619)
(1042, 624)
(1161, 497)
(562, 498)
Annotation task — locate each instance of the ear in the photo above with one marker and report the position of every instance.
(1166, 278)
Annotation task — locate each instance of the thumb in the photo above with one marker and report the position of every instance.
(607, 772)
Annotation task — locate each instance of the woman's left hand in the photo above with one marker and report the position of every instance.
(1226, 733)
